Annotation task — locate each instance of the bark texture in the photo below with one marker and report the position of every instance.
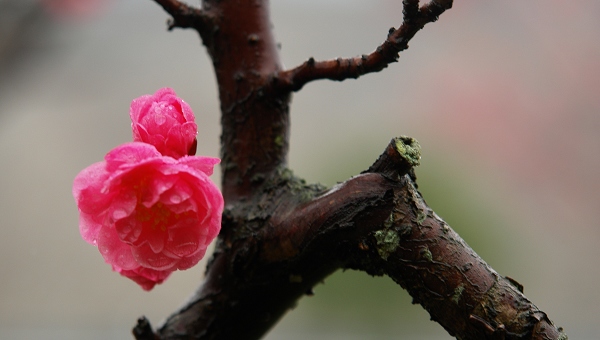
(281, 236)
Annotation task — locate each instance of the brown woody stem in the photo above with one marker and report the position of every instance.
(339, 69)
(281, 236)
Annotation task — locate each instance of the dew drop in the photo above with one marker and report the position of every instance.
(119, 214)
(159, 119)
(175, 199)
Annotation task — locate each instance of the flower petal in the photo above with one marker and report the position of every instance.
(145, 277)
(87, 188)
(156, 240)
(129, 153)
(184, 242)
(123, 204)
(89, 228)
(177, 193)
(140, 134)
(190, 261)
(149, 259)
(201, 163)
(138, 107)
(114, 251)
(155, 187)
(129, 230)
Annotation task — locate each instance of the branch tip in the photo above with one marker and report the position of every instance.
(143, 330)
(401, 155)
(183, 15)
(409, 149)
(340, 69)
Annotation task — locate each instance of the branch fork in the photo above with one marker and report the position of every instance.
(280, 236)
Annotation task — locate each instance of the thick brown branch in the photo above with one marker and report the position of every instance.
(240, 42)
(256, 278)
(343, 68)
(419, 251)
(254, 142)
(280, 236)
(376, 222)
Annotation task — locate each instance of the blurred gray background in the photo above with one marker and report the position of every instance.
(504, 97)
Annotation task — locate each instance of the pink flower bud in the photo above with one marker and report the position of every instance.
(148, 214)
(165, 121)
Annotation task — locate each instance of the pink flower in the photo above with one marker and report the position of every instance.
(148, 214)
(74, 9)
(165, 121)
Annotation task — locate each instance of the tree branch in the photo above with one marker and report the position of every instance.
(420, 252)
(281, 236)
(184, 16)
(376, 222)
(339, 69)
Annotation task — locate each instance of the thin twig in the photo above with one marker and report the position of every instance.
(339, 69)
(184, 16)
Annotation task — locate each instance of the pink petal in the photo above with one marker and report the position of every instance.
(184, 242)
(129, 230)
(189, 262)
(156, 240)
(89, 228)
(123, 204)
(114, 251)
(129, 153)
(175, 144)
(177, 193)
(188, 114)
(136, 109)
(87, 188)
(201, 163)
(157, 185)
(189, 130)
(163, 92)
(186, 206)
(149, 259)
(145, 277)
(140, 134)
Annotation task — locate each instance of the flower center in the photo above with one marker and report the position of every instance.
(157, 217)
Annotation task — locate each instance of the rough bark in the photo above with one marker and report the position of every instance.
(281, 236)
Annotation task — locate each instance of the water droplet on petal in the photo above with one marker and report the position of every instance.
(175, 199)
(160, 119)
(147, 258)
(119, 214)
(128, 230)
(185, 249)
(156, 241)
